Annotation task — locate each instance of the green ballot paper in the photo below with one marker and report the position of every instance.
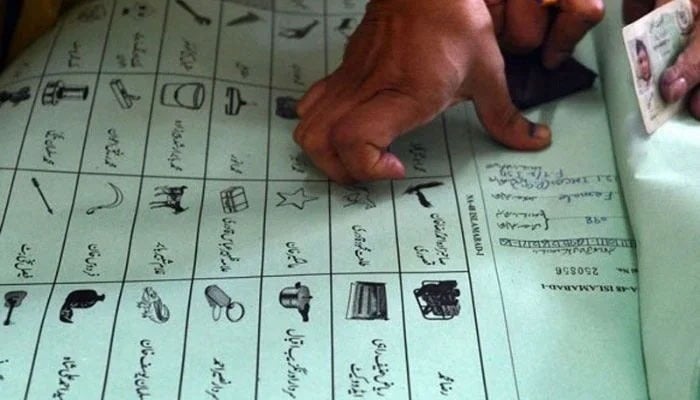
(162, 237)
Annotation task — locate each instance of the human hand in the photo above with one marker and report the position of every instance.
(408, 61)
(683, 76)
(525, 25)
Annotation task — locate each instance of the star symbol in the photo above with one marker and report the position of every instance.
(297, 199)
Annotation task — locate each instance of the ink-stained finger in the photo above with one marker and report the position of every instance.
(499, 116)
(574, 19)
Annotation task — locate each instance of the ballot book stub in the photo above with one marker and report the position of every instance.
(652, 43)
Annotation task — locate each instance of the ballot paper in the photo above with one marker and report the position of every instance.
(162, 236)
(653, 42)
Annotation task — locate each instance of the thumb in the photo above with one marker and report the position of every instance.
(504, 122)
(361, 138)
(684, 74)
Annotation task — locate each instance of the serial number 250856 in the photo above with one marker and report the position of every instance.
(587, 271)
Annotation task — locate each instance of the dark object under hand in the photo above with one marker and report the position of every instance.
(286, 107)
(15, 97)
(531, 84)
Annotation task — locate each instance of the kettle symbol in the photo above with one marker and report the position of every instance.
(297, 296)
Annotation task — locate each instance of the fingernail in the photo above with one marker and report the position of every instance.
(398, 171)
(394, 167)
(675, 90)
(538, 132)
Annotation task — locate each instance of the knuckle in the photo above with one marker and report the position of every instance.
(342, 138)
(592, 12)
(482, 27)
(311, 146)
(308, 143)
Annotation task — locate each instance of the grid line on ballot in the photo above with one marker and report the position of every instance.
(72, 201)
(123, 281)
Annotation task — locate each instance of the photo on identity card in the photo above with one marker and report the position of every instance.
(653, 43)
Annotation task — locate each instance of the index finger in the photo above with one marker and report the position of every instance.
(572, 22)
(362, 137)
(497, 11)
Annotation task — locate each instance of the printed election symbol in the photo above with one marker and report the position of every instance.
(35, 183)
(118, 200)
(199, 18)
(15, 97)
(234, 199)
(346, 26)
(188, 95)
(124, 98)
(169, 197)
(234, 101)
(286, 107)
(13, 300)
(152, 306)
(78, 299)
(359, 196)
(367, 301)
(247, 18)
(418, 191)
(437, 300)
(138, 10)
(297, 297)
(298, 33)
(297, 199)
(57, 91)
(218, 301)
